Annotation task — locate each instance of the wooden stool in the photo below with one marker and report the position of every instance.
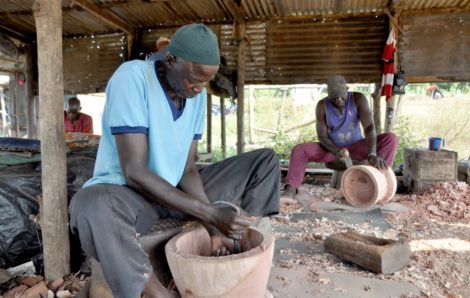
(154, 245)
(335, 181)
(338, 168)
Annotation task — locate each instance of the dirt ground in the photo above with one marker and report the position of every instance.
(436, 224)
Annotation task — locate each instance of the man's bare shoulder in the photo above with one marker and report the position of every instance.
(359, 98)
(321, 102)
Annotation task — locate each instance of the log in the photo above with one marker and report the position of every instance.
(375, 254)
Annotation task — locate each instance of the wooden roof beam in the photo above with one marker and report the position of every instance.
(15, 34)
(105, 16)
(236, 11)
(111, 19)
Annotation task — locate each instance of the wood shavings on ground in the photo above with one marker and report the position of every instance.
(437, 227)
(37, 286)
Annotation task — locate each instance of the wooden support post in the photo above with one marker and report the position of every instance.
(251, 114)
(31, 108)
(281, 109)
(389, 114)
(377, 105)
(54, 211)
(209, 123)
(223, 136)
(3, 111)
(241, 29)
(378, 255)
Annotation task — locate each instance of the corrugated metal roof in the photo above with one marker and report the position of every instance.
(428, 4)
(17, 15)
(299, 41)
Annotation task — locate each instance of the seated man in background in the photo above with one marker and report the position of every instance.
(74, 120)
(338, 117)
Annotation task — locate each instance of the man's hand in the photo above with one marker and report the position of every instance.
(232, 225)
(222, 245)
(377, 162)
(343, 156)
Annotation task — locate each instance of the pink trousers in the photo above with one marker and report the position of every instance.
(387, 145)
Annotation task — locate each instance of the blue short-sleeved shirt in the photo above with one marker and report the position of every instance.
(137, 103)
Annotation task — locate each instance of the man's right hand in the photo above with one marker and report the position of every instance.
(230, 223)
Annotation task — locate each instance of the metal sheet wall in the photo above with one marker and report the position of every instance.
(90, 61)
(435, 47)
(309, 52)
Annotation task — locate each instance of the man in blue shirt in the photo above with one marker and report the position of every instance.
(145, 168)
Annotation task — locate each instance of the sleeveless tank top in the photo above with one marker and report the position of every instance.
(343, 129)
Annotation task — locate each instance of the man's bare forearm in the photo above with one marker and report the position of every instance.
(159, 190)
(327, 144)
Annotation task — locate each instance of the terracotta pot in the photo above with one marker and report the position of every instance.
(197, 274)
(363, 186)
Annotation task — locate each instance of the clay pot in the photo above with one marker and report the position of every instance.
(363, 186)
(197, 274)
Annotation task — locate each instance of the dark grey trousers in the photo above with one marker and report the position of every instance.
(109, 218)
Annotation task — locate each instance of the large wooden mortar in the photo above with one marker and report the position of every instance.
(363, 186)
(197, 274)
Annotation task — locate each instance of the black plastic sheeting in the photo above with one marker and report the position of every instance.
(20, 187)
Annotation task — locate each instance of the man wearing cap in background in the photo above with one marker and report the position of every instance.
(76, 121)
(338, 117)
(145, 168)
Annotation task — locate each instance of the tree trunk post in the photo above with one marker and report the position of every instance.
(54, 211)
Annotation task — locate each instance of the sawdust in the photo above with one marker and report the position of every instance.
(437, 227)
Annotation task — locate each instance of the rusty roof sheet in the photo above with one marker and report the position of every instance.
(138, 14)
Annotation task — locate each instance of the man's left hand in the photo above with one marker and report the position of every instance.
(377, 162)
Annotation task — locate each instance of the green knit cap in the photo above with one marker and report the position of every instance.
(196, 43)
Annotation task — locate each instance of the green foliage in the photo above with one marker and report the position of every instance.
(283, 143)
(407, 138)
(218, 156)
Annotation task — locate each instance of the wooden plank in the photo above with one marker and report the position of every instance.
(375, 254)
(54, 211)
